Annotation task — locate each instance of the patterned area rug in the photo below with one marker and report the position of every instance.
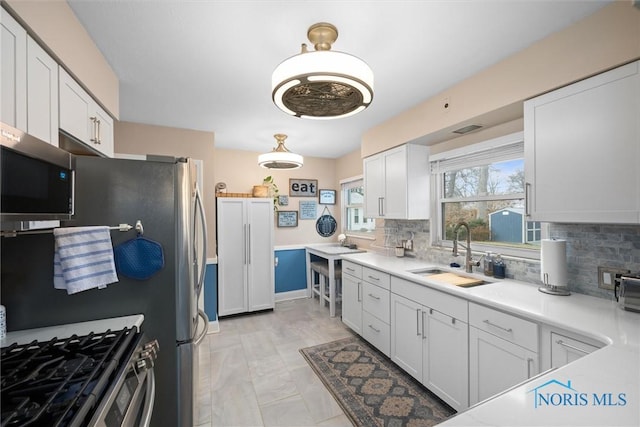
(371, 389)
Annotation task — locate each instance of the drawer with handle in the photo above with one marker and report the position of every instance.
(376, 332)
(352, 269)
(376, 277)
(375, 300)
(503, 325)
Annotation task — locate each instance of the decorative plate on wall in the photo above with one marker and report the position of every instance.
(326, 225)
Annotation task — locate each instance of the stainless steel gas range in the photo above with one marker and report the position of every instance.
(77, 375)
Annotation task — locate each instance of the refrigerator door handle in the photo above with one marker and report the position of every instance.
(203, 261)
(203, 315)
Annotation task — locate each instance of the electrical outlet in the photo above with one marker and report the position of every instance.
(607, 276)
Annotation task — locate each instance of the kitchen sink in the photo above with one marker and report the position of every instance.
(450, 277)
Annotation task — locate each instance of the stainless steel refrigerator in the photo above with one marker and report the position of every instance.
(162, 193)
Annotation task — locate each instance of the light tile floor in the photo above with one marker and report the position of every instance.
(252, 374)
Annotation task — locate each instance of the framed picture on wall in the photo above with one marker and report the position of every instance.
(327, 197)
(287, 218)
(303, 187)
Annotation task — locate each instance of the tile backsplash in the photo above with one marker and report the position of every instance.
(588, 247)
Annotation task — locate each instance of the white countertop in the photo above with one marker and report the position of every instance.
(613, 369)
(65, 331)
(332, 249)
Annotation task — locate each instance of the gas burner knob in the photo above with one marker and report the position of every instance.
(152, 345)
(146, 360)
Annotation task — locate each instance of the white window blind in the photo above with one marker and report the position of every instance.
(456, 161)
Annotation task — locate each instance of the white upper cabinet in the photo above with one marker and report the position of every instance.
(82, 118)
(582, 150)
(396, 183)
(42, 94)
(13, 77)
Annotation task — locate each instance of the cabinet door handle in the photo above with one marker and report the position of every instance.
(374, 297)
(488, 322)
(244, 239)
(424, 336)
(359, 291)
(431, 311)
(527, 191)
(94, 130)
(374, 278)
(529, 360)
(98, 136)
(381, 206)
(376, 330)
(350, 269)
(564, 344)
(418, 333)
(453, 320)
(249, 244)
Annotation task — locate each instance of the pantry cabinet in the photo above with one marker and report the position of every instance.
(503, 351)
(245, 255)
(429, 339)
(396, 183)
(82, 117)
(582, 150)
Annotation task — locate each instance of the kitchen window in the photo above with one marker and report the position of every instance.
(483, 185)
(353, 220)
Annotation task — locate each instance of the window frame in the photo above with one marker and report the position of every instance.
(469, 156)
(344, 186)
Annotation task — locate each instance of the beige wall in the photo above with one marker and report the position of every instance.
(136, 138)
(606, 39)
(56, 27)
(240, 171)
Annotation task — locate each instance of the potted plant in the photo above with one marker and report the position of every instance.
(267, 189)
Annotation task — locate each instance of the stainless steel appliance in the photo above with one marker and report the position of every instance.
(162, 193)
(37, 178)
(629, 295)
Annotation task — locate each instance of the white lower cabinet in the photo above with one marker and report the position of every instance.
(351, 300)
(503, 351)
(559, 347)
(428, 344)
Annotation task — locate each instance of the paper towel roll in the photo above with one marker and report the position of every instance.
(553, 262)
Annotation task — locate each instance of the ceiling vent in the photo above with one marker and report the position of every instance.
(467, 129)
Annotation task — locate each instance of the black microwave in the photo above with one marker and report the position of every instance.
(37, 179)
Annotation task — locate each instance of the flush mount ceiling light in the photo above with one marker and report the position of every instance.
(322, 84)
(280, 157)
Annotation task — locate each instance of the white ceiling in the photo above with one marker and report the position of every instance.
(207, 64)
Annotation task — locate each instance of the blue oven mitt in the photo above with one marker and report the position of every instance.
(139, 258)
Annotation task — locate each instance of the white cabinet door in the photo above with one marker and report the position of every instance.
(232, 257)
(396, 183)
(75, 108)
(496, 364)
(446, 358)
(82, 118)
(374, 186)
(565, 350)
(407, 326)
(582, 150)
(42, 94)
(245, 255)
(352, 302)
(13, 72)
(260, 262)
(103, 128)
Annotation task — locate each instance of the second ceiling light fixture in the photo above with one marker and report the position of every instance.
(322, 84)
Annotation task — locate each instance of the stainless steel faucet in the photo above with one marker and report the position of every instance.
(469, 263)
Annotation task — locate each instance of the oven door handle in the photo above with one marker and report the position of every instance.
(145, 420)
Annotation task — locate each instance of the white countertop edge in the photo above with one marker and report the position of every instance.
(65, 331)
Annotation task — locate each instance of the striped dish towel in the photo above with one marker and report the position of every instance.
(83, 258)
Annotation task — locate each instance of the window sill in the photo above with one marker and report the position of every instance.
(504, 251)
(360, 236)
